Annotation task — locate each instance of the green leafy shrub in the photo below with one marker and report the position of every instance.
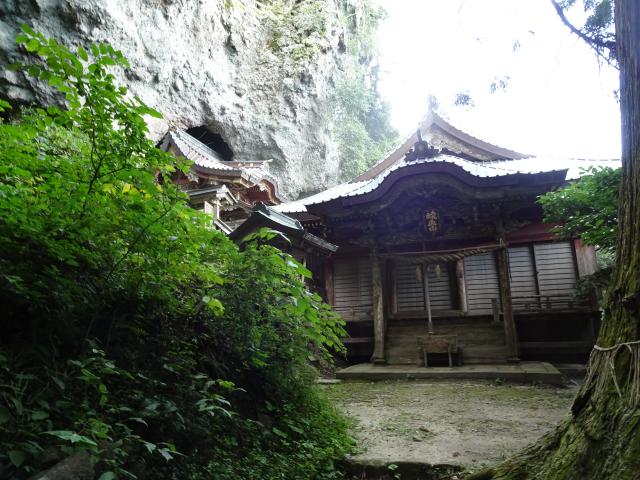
(131, 329)
(587, 208)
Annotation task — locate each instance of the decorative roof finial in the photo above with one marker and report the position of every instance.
(421, 149)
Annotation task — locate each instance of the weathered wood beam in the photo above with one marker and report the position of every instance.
(511, 334)
(427, 297)
(393, 294)
(495, 311)
(378, 311)
(462, 286)
(329, 284)
(586, 259)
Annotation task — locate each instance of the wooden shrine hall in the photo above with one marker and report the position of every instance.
(443, 256)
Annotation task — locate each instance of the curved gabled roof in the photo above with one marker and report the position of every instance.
(441, 134)
(475, 156)
(321, 197)
(208, 161)
(470, 173)
(266, 216)
(478, 170)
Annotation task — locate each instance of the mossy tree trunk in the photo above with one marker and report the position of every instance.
(601, 440)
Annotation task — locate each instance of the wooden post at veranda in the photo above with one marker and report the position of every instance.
(427, 296)
(511, 334)
(462, 286)
(329, 284)
(378, 311)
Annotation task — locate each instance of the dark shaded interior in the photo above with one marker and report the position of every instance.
(212, 140)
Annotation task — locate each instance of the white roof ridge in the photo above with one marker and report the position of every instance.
(444, 124)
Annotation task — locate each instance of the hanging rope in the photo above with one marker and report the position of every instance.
(616, 346)
(439, 256)
(602, 366)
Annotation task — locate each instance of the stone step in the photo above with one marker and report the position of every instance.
(525, 372)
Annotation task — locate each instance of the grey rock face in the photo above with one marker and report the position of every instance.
(235, 66)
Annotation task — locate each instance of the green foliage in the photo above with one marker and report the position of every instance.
(599, 20)
(361, 119)
(598, 27)
(587, 208)
(356, 116)
(131, 329)
(302, 446)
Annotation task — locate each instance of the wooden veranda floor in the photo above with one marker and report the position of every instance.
(524, 372)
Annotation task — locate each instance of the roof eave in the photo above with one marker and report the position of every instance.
(264, 216)
(551, 179)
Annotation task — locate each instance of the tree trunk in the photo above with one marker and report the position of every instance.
(601, 440)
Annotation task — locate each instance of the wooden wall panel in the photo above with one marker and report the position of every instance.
(556, 267)
(522, 272)
(352, 284)
(409, 293)
(481, 275)
(586, 258)
(409, 289)
(439, 288)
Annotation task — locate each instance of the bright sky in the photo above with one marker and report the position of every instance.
(559, 101)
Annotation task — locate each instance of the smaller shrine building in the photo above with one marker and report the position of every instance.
(216, 184)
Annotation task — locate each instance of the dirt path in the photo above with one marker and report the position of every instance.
(461, 423)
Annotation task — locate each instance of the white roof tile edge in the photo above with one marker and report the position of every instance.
(481, 169)
(324, 196)
(204, 156)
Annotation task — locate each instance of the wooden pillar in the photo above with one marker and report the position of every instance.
(391, 267)
(511, 334)
(329, 289)
(427, 296)
(462, 286)
(378, 312)
(586, 259)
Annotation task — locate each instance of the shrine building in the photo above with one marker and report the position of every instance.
(444, 240)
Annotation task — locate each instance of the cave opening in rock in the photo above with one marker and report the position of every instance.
(212, 140)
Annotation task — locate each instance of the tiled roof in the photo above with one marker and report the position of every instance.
(442, 134)
(531, 165)
(475, 156)
(329, 194)
(196, 151)
(575, 166)
(263, 215)
(207, 160)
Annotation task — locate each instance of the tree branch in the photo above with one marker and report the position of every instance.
(595, 43)
(96, 169)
